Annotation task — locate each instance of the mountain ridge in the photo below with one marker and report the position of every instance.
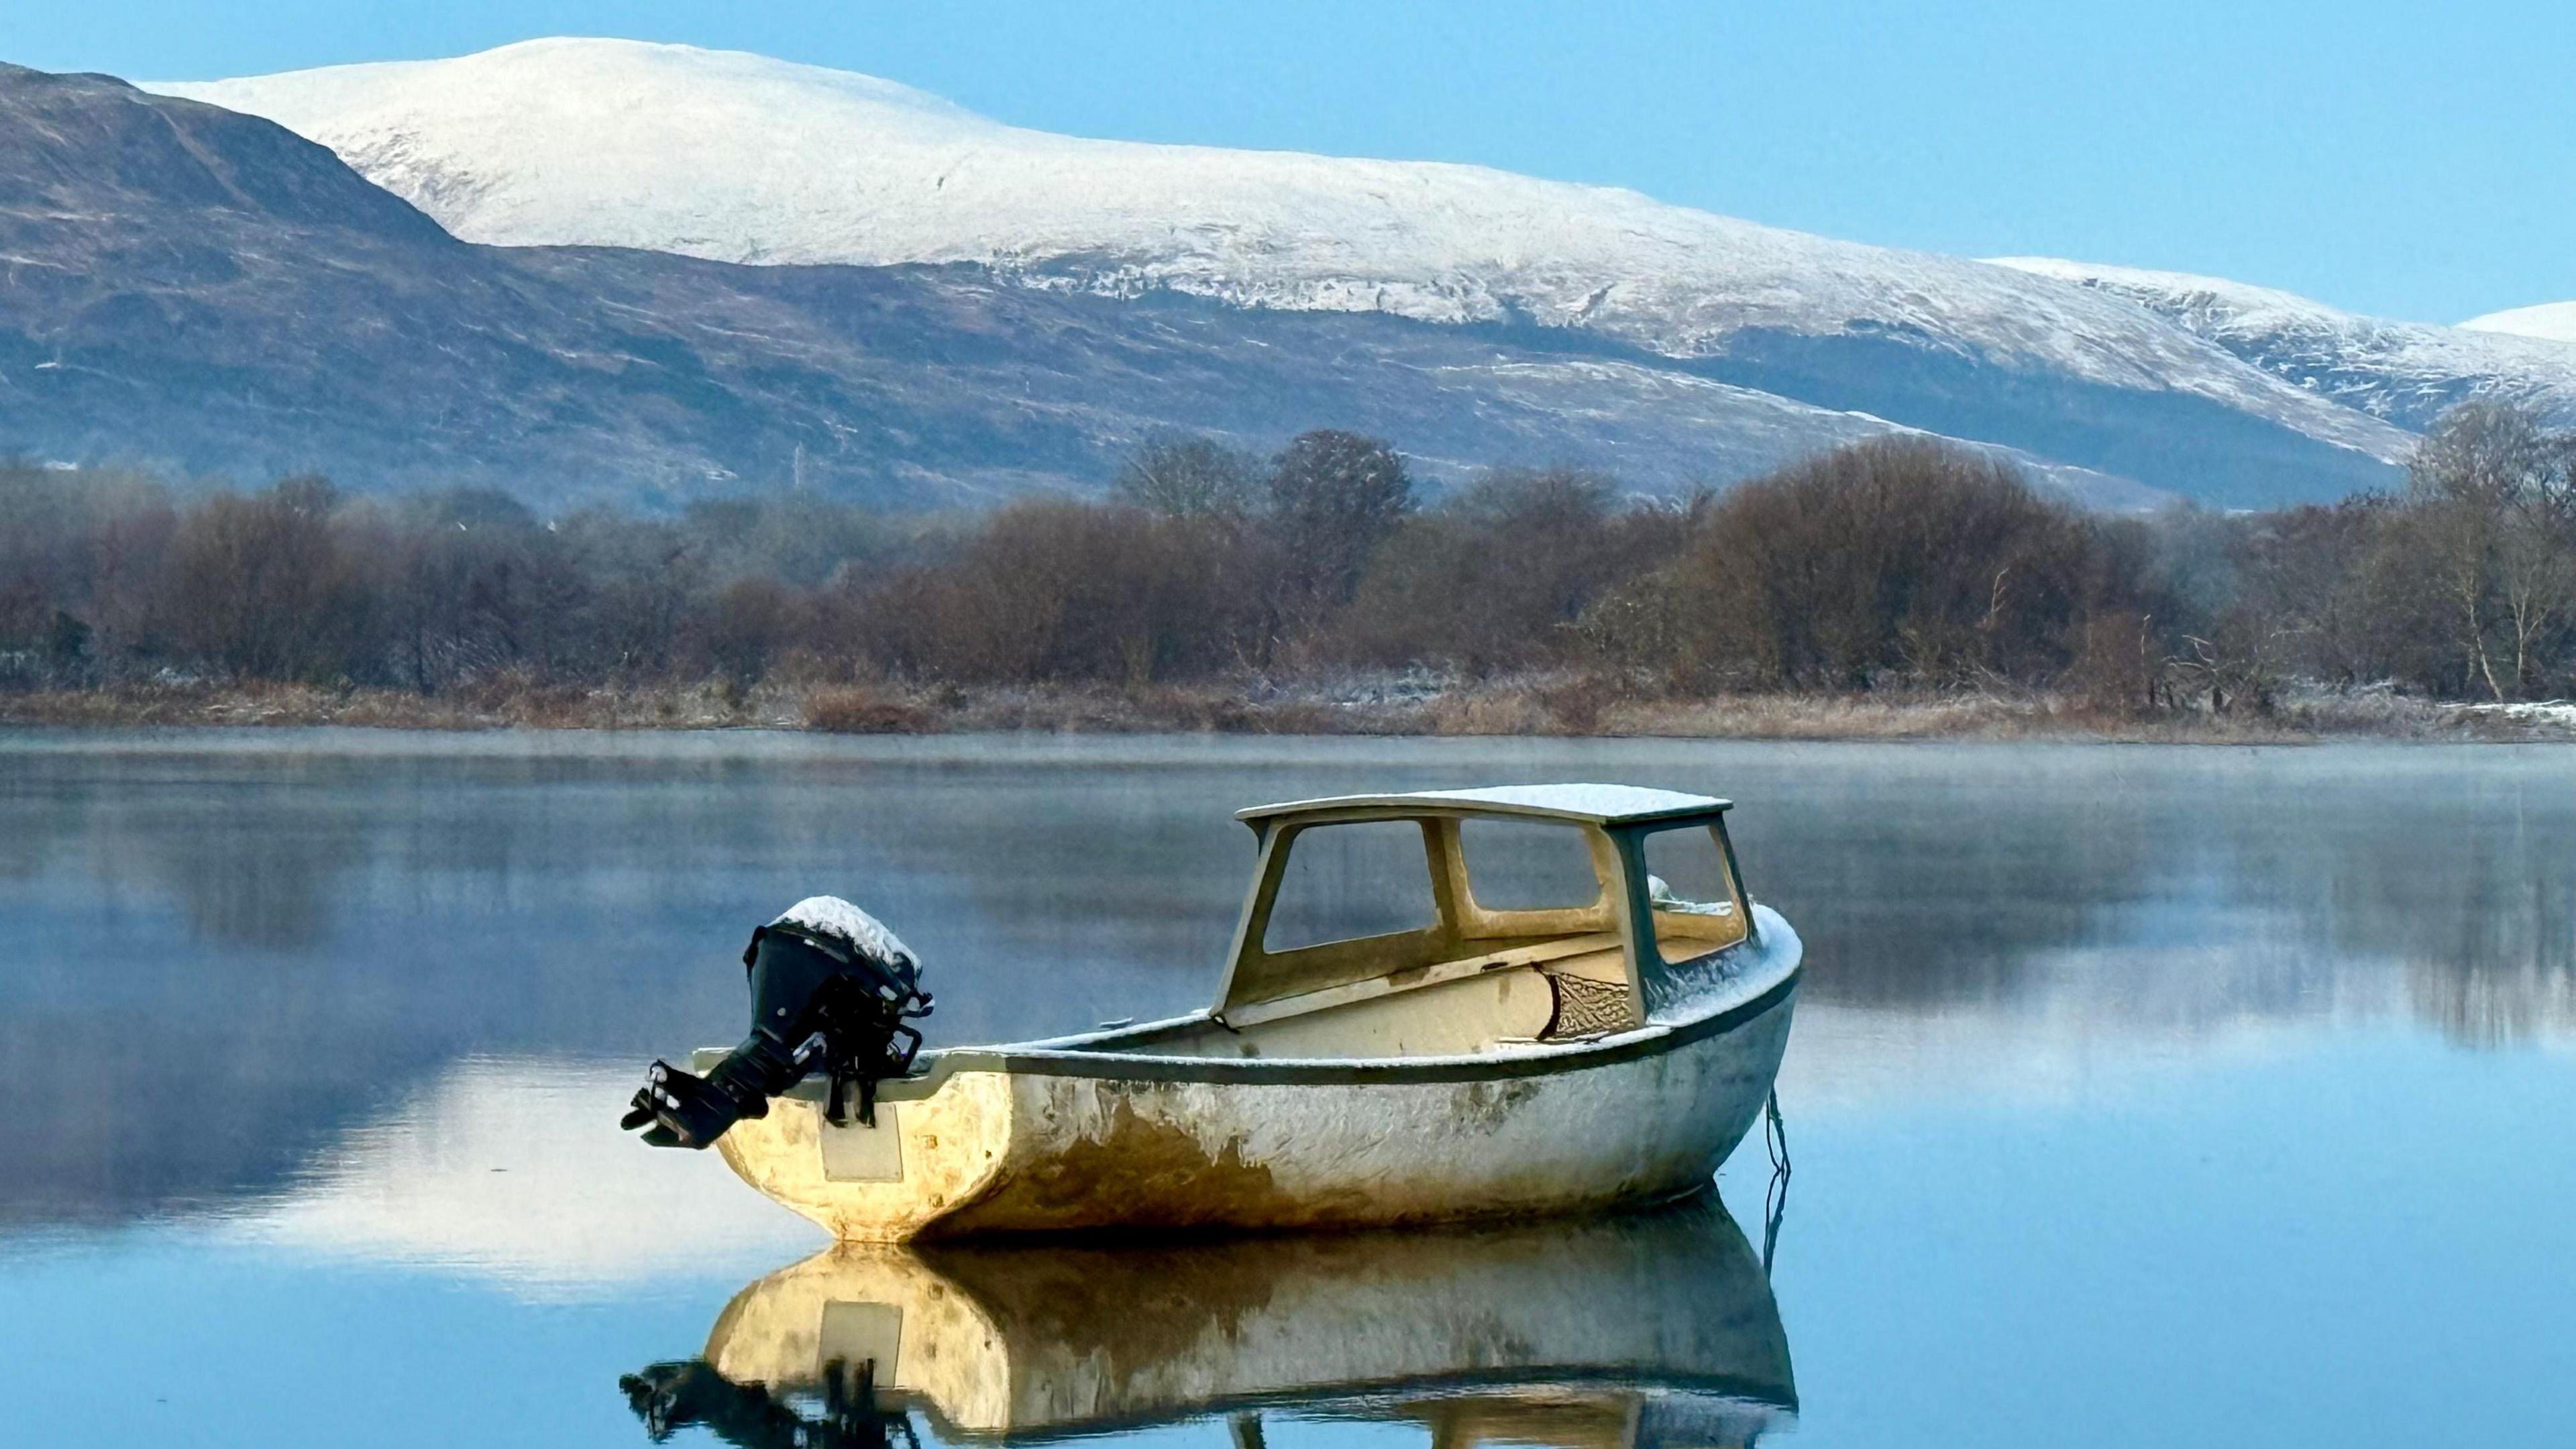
(736, 157)
(203, 291)
(2407, 373)
(2550, 321)
(251, 336)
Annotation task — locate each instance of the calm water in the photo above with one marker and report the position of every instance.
(2137, 1096)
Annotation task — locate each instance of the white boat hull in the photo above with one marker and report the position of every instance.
(1064, 1136)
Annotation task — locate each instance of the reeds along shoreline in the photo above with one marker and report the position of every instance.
(1539, 706)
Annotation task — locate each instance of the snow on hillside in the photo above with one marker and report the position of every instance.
(2407, 372)
(741, 158)
(2553, 321)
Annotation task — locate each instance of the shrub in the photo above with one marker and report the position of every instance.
(1493, 578)
(1060, 591)
(1892, 560)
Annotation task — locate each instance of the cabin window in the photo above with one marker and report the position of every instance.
(1517, 866)
(1345, 882)
(1693, 896)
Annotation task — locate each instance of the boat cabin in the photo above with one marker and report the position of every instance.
(1453, 922)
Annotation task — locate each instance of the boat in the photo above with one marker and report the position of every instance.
(1626, 1332)
(1440, 1005)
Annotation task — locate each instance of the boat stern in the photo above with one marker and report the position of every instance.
(936, 1142)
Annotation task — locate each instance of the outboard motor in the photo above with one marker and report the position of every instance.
(832, 991)
(672, 1396)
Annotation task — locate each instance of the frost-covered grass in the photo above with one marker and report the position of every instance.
(2544, 714)
(1411, 703)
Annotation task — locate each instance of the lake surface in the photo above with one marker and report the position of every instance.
(2216, 1096)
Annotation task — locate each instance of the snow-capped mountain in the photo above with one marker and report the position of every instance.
(711, 269)
(2405, 372)
(205, 292)
(740, 158)
(2553, 321)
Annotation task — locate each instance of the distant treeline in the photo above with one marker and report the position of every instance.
(1897, 564)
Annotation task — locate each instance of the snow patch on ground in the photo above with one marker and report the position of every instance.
(2547, 713)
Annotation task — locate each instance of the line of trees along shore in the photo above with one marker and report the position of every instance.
(1895, 565)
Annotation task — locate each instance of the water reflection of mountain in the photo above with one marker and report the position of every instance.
(1612, 1334)
(219, 962)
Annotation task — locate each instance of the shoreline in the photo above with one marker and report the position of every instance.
(1400, 709)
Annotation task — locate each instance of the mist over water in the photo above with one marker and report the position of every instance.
(2123, 1080)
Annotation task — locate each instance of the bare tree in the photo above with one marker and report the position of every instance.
(1495, 575)
(1053, 590)
(1178, 476)
(2492, 509)
(1334, 497)
(1884, 561)
(260, 587)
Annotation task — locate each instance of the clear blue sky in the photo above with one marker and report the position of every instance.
(2409, 160)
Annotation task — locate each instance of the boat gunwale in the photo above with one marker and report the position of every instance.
(1064, 1056)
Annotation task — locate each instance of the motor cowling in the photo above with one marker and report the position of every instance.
(832, 991)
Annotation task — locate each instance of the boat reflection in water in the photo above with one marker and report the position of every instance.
(1616, 1333)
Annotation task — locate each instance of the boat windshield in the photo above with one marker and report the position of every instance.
(1351, 882)
(1697, 903)
(1515, 865)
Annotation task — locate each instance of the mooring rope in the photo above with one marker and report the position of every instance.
(1775, 1133)
(1775, 1198)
